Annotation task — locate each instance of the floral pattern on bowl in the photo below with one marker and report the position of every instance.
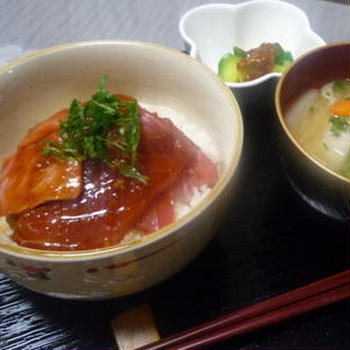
(29, 271)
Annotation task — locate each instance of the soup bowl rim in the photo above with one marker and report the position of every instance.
(280, 114)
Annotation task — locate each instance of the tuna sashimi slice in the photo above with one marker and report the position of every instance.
(29, 179)
(108, 204)
(44, 130)
(159, 215)
(201, 171)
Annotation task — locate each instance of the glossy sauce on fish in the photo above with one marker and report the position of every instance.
(108, 204)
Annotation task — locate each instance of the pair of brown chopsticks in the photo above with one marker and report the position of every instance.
(276, 309)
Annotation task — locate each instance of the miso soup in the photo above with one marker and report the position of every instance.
(320, 122)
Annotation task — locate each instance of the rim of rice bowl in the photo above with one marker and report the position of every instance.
(121, 248)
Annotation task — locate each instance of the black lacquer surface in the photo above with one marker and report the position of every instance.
(269, 242)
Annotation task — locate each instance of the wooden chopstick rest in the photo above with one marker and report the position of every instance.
(135, 328)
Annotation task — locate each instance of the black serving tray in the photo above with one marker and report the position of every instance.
(269, 242)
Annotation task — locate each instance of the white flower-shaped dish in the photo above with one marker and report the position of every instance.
(210, 31)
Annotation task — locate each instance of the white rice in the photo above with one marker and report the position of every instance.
(5, 231)
(192, 130)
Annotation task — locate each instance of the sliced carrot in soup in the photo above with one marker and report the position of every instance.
(341, 108)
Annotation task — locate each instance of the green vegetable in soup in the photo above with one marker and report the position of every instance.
(339, 124)
(341, 86)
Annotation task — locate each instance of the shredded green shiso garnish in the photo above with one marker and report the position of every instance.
(93, 129)
(339, 124)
